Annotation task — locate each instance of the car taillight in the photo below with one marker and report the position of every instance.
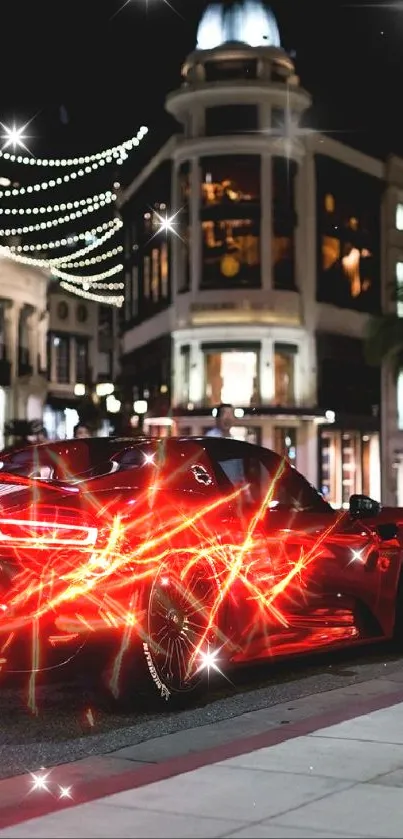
(42, 532)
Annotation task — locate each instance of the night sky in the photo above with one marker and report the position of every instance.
(88, 73)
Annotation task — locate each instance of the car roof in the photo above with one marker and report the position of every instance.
(113, 442)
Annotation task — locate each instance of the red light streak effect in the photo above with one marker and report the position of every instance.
(166, 578)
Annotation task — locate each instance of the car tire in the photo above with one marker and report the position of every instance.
(183, 636)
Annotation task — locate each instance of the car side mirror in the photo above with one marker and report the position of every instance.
(363, 507)
(387, 531)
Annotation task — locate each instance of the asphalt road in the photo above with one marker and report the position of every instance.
(74, 721)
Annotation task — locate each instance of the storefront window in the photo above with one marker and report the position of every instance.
(231, 376)
(348, 214)
(284, 374)
(285, 442)
(350, 463)
(330, 467)
(230, 180)
(231, 253)
(246, 433)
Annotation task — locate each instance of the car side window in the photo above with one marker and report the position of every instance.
(289, 489)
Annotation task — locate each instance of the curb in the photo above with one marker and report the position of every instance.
(92, 790)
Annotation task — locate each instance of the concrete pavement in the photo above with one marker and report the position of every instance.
(305, 779)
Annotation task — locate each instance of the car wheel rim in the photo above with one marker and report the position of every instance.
(179, 626)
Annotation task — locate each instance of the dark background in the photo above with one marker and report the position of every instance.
(88, 75)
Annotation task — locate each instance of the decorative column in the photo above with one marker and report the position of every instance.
(175, 243)
(32, 326)
(11, 322)
(305, 245)
(195, 228)
(43, 329)
(12, 312)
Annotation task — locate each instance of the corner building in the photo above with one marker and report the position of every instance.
(259, 292)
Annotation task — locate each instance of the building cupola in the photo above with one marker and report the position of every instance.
(238, 75)
(243, 21)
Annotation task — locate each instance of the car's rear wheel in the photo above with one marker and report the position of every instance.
(183, 635)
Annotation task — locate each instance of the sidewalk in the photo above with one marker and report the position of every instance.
(341, 780)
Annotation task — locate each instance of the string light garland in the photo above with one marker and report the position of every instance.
(56, 208)
(104, 286)
(111, 227)
(89, 287)
(91, 279)
(108, 299)
(117, 153)
(90, 167)
(44, 225)
(94, 260)
(63, 261)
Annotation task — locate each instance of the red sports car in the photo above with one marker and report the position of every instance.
(179, 556)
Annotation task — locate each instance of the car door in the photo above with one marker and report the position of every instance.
(316, 580)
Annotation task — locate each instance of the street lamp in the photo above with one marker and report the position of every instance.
(140, 407)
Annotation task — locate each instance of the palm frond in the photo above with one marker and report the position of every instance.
(384, 340)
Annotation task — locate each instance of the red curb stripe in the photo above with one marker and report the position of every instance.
(150, 774)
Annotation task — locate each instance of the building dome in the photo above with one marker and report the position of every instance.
(244, 21)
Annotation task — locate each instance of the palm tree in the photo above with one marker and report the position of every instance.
(384, 337)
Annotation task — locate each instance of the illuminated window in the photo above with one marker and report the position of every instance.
(330, 203)
(399, 289)
(331, 249)
(164, 268)
(330, 467)
(230, 180)
(155, 275)
(61, 346)
(231, 252)
(399, 217)
(231, 376)
(81, 359)
(147, 276)
(350, 463)
(284, 374)
(348, 219)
